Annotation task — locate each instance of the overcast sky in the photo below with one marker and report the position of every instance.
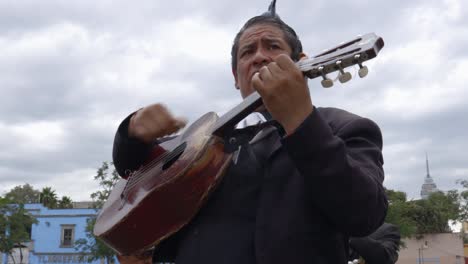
(70, 71)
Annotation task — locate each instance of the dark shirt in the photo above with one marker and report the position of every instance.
(224, 229)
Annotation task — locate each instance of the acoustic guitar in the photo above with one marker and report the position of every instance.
(165, 193)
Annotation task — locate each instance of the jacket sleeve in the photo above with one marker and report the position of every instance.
(342, 169)
(128, 153)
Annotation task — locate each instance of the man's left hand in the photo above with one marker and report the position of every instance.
(284, 91)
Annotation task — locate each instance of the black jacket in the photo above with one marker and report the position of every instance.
(322, 184)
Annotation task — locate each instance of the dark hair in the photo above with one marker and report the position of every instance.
(290, 36)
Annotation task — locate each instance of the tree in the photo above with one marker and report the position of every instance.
(48, 197)
(433, 214)
(15, 227)
(94, 248)
(107, 181)
(399, 213)
(65, 202)
(423, 216)
(91, 246)
(23, 194)
(395, 196)
(463, 199)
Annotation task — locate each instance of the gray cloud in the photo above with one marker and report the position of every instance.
(70, 72)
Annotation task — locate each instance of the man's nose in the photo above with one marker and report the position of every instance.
(261, 58)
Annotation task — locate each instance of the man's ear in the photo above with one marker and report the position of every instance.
(235, 79)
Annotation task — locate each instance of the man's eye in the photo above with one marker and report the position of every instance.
(246, 52)
(274, 46)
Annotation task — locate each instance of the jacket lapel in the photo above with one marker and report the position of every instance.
(270, 141)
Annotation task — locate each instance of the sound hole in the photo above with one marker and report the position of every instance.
(174, 156)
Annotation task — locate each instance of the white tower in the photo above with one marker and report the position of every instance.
(428, 186)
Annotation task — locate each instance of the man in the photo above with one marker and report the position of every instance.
(292, 197)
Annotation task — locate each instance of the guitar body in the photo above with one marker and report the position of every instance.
(166, 193)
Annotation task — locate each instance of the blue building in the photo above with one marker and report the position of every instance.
(53, 237)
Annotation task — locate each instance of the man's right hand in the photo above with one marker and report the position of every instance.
(152, 122)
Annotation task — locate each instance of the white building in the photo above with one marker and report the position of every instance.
(444, 248)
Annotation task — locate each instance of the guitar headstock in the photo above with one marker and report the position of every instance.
(350, 53)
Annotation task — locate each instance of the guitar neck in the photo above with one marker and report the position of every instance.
(227, 121)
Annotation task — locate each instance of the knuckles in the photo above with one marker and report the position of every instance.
(152, 122)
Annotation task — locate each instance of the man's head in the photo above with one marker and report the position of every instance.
(269, 20)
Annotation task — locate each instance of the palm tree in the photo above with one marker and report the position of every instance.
(48, 197)
(65, 202)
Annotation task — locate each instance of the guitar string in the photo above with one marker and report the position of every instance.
(154, 162)
(136, 177)
(308, 64)
(139, 173)
(130, 186)
(150, 166)
(134, 180)
(304, 65)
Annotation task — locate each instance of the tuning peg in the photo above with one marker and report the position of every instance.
(326, 82)
(343, 76)
(363, 70)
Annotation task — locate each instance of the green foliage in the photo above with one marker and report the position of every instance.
(48, 198)
(107, 181)
(15, 226)
(463, 199)
(399, 212)
(433, 214)
(23, 194)
(4, 201)
(423, 216)
(395, 196)
(91, 246)
(65, 202)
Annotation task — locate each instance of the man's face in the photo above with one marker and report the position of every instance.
(258, 46)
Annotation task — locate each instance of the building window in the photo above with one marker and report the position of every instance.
(67, 236)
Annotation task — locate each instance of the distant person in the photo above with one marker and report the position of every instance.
(381, 247)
